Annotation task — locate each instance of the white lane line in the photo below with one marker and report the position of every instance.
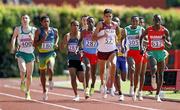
(51, 104)
(58, 94)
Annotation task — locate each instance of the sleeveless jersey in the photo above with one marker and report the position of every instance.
(133, 37)
(48, 44)
(72, 44)
(107, 44)
(24, 40)
(155, 38)
(89, 46)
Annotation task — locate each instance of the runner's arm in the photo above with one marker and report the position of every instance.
(13, 40)
(38, 42)
(95, 36)
(63, 43)
(167, 39)
(144, 34)
(56, 39)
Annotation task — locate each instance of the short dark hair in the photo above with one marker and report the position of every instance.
(44, 17)
(107, 10)
(134, 17)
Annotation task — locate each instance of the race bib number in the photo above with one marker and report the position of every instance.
(156, 44)
(26, 44)
(47, 46)
(90, 44)
(108, 41)
(72, 47)
(134, 43)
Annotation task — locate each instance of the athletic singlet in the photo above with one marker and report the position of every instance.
(24, 40)
(133, 37)
(72, 44)
(89, 46)
(48, 44)
(155, 38)
(107, 44)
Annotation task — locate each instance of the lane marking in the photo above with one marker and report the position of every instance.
(58, 94)
(37, 101)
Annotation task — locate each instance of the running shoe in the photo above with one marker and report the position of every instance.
(45, 95)
(131, 91)
(140, 95)
(76, 98)
(87, 93)
(27, 95)
(121, 97)
(51, 85)
(91, 91)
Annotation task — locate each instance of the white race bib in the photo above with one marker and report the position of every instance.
(26, 44)
(90, 44)
(72, 47)
(47, 46)
(156, 43)
(134, 43)
(108, 41)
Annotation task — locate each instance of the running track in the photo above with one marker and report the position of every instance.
(11, 98)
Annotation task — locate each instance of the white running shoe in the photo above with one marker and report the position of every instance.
(121, 97)
(140, 96)
(102, 89)
(134, 97)
(131, 91)
(158, 98)
(153, 81)
(51, 85)
(76, 98)
(45, 95)
(105, 92)
(112, 92)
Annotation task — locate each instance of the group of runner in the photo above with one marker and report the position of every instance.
(119, 52)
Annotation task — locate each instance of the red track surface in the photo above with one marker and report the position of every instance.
(11, 98)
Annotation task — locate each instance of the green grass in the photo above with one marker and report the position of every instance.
(125, 89)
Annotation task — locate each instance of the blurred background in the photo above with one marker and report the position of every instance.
(61, 12)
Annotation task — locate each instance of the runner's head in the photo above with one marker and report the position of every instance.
(45, 21)
(107, 15)
(117, 20)
(134, 21)
(141, 21)
(90, 23)
(74, 26)
(25, 19)
(84, 20)
(157, 19)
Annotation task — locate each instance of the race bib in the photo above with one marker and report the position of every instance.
(72, 47)
(90, 44)
(47, 46)
(108, 41)
(26, 44)
(134, 43)
(156, 43)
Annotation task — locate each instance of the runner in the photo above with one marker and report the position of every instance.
(84, 24)
(46, 41)
(24, 35)
(158, 36)
(90, 54)
(135, 60)
(71, 40)
(105, 34)
(121, 64)
(144, 65)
